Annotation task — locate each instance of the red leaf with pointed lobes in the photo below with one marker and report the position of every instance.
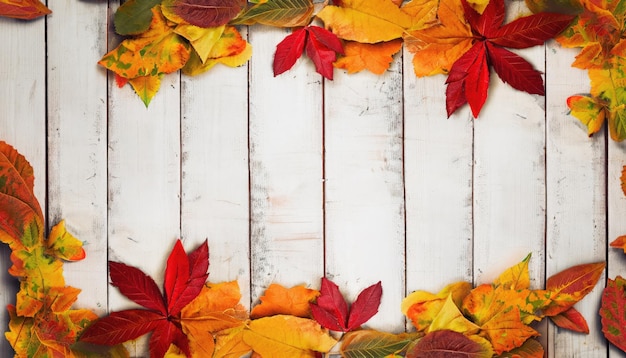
(326, 38)
(613, 312)
(137, 286)
(490, 20)
(119, 327)
(515, 71)
(208, 13)
(198, 264)
(176, 275)
(165, 334)
(472, 65)
(330, 309)
(365, 306)
(571, 319)
(531, 30)
(321, 56)
(289, 50)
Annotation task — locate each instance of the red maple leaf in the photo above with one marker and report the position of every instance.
(331, 309)
(468, 80)
(321, 47)
(185, 276)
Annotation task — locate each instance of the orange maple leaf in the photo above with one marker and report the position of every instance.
(375, 58)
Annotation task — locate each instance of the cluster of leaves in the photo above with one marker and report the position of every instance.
(194, 318)
(613, 306)
(599, 31)
(23, 9)
(42, 323)
(464, 39)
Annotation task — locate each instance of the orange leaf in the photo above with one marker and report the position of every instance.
(280, 300)
(23, 9)
(373, 57)
(64, 245)
(620, 242)
(506, 331)
(571, 285)
(623, 179)
(571, 319)
(229, 343)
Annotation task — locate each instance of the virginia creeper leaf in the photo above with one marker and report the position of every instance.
(321, 56)
(289, 50)
(515, 71)
(137, 286)
(122, 326)
(530, 31)
(365, 306)
(208, 13)
(134, 16)
(278, 13)
(468, 81)
(23, 9)
(278, 299)
(613, 312)
(447, 344)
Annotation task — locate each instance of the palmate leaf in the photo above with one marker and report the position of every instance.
(370, 343)
(278, 13)
(515, 71)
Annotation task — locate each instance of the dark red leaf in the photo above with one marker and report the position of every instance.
(571, 319)
(137, 286)
(365, 306)
(471, 66)
(198, 262)
(119, 327)
(613, 312)
(445, 344)
(164, 334)
(477, 82)
(330, 309)
(455, 96)
(490, 20)
(326, 38)
(321, 56)
(530, 30)
(288, 51)
(208, 13)
(515, 71)
(176, 275)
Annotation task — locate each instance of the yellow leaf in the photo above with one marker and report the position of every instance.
(421, 307)
(451, 318)
(367, 21)
(284, 336)
(588, 111)
(373, 57)
(515, 277)
(229, 343)
(64, 245)
(231, 50)
(146, 87)
(202, 39)
(278, 299)
(437, 47)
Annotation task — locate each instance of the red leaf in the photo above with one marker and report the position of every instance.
(613, 312)
(326, 38)
(322, 57)
(468, 80)
(455, 96)
(330, 309)
(531, 30)
(176, 275)
(208, 13)
(365, 306)
(487, 22)
(576, 281)
(515, 71)
(137, 286)
(571, 319)
(23, 10)
(288, 51)
(198, 263)
(445, 344)
(119, 327)
(164, 334)
(120, 81)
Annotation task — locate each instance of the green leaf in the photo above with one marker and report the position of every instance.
(370, 343)
(134, 16)
(279, 13)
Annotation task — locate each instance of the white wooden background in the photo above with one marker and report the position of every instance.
(292, 178)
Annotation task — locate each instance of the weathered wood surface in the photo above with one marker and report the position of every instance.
(291, 178)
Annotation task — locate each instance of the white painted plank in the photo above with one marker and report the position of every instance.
(215, 196)
(285, 169)
(576, 208)
(22, 122)
(77, 139)
(438, 184)
(364, 193)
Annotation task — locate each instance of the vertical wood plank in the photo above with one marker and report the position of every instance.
(77, 140)
(22, 123)
(215, 197)
(438, 184)
(364, 195)
(576, 210)
(285, 169)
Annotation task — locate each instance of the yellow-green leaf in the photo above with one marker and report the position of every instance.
(278, 13)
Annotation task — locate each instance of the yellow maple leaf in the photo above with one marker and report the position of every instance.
(375, 58)
(285, 336)
(367, 21)
(278, 299)
(437, 47)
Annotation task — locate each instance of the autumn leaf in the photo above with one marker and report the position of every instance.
(321, 47)
(208, 13)
(530, 349)
(23, 9)
(230, 49)
(516, 277)
(589, 111)
(571, 285)
(367, 21)
(134, 16)
(287, 336)
(332, 311)
(620, 242)
(422, 307)
(451, 318)
(185, 276)
(447, 344)
(64, 245)
(571, 319)
(370, 343)
(623, 179)
(613, 312)
(278, 299)
(375, 58)
(278, 13)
